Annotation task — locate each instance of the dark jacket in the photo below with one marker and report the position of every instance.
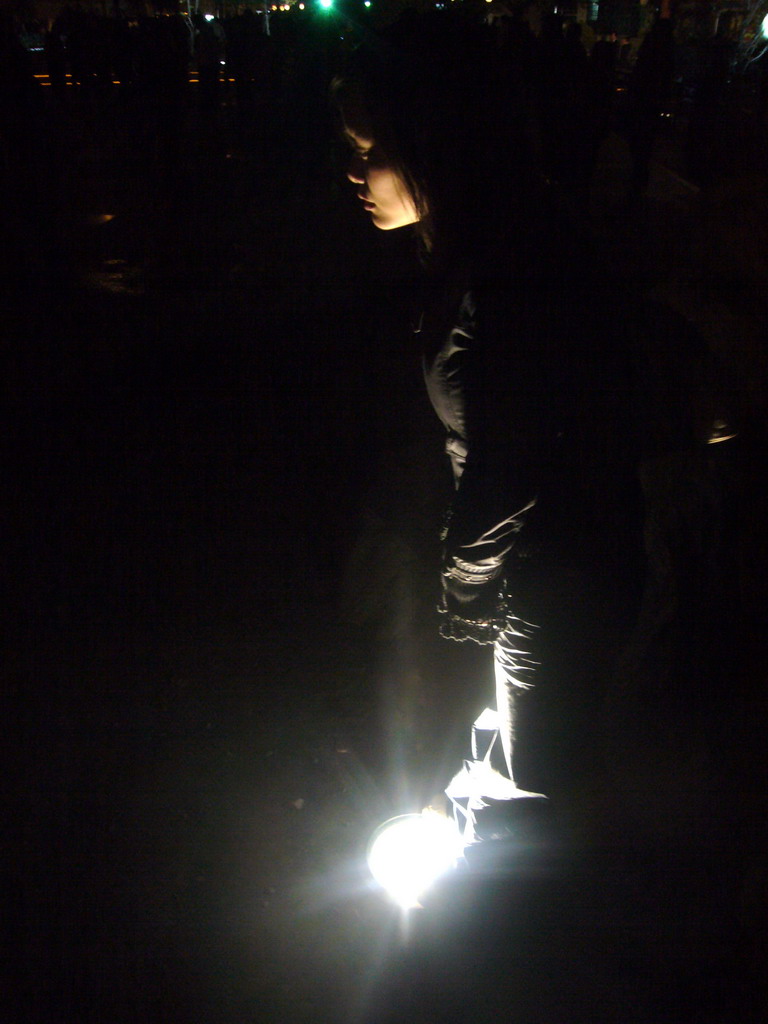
(531, 391)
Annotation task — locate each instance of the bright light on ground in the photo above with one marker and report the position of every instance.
(408, 853)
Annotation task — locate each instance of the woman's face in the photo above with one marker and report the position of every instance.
(381, 189)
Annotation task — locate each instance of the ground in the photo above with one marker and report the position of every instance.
(208, 713)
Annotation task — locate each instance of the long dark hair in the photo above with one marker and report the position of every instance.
(449, 113)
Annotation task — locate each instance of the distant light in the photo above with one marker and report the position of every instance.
(721, 431)
(407, 854)
(326, 4)
(301, 7)
(764, 26)
(209, 17)
(367, 3)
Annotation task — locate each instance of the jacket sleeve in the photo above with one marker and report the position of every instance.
(501, 428)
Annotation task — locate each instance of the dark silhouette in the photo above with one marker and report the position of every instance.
(602, 87)
(210, 48)
(709, 126)
(56, 60)
(649, 91)
(246, 56)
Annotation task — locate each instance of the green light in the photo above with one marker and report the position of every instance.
(326, 4)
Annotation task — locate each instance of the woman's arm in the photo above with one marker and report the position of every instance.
(489, 388)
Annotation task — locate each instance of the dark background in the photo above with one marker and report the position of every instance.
(221, 668)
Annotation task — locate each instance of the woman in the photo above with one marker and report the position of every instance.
(441, 139)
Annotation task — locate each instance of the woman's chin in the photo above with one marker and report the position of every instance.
(388, 223)
(382, 223)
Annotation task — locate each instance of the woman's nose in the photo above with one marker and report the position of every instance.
(355, 171)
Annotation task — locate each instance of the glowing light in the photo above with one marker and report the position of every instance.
(367, 3)
(409, 853)
(764, 26)
(209, 17)
(326, 4)
(721, 431)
